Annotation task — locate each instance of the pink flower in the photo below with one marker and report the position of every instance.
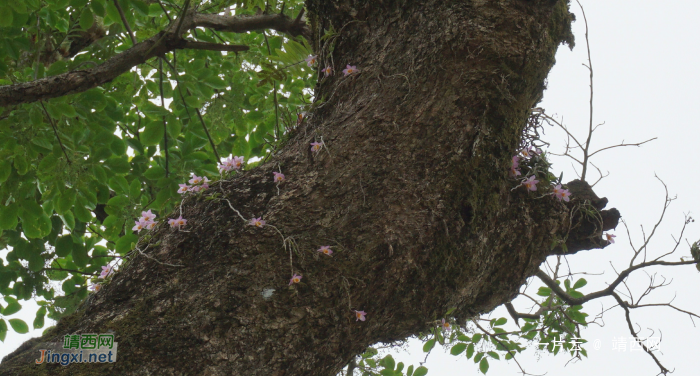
(514, 171)
(228, 165)
(184, 188)
(279, 177)
(311, 60)
(147, 216)
(296, 278)
(150, 225)
(445, 325)
(195, 179)
(140, 225)
(530, 183)
(177, 222)
(316, 146)
(527, 152)
(561, 194)
(350, 69)
(360, 315)
(257, 222)
(327, 71)
(195, 188)
(203, 186)
(326, 250)
(610, 238)
(106, 272)
(237, 163)
(95, 287)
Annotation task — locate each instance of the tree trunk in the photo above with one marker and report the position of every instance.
(411, 192)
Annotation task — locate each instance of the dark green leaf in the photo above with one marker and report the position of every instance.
(420, 371)
(429, 345)
(458, 348)
(19, 326)
(484, 366)
(86, 19)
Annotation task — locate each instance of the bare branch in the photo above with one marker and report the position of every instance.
(622, 144)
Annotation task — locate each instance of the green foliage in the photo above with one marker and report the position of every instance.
(77, 170)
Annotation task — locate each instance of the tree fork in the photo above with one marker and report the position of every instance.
(413, 196)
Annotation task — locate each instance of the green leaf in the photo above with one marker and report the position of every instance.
(118, 164)
(409, 371)
(152, 135)
(494, 355)
(13, 306)
(64, 246)
(476, 338)
(86, 19)
(135, 189)
(5, 170)
(21, 164)
(429, 345)
(119, 184)
(580, 283)
(39, 319)
(65, 202)
(19, 326)
(124, 244)
(155, 173)
(8, 216)
(501, 321)
(3, 329)
(5, 17)
(484, 366)
(388, 362)
(80, 255)
(420, 371)
(470, 350)
(458, 348)
(97, 7)
(544, 291)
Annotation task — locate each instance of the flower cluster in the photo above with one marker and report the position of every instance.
(229, 164)
(197, 184)
(146, 221)
(177, 222)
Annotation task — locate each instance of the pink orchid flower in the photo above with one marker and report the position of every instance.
(561, 194)
(177, 222)
(445, 325)
(257, 222)
(147, 216)
(150, 225)
(279, 177)
(237, 163)
(296, 278)
(311, 60)
(350, 69)
(106, 272)
(360, 315)
(328, 71)
(140, 225)
(316, 146)
(184, 188)
(610, 238)
(195, 180)
(326, 250)
(530, 183)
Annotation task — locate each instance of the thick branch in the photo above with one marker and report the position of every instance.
(82, 80)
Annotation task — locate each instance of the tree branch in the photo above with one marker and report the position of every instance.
(213, 46)
(124, 21)
(81, 80)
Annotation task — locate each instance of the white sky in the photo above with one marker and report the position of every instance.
(645, 59)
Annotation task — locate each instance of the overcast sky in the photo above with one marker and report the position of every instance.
(645, 59)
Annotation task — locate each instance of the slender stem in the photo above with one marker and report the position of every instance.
(165, 127)
(165, 11)
(274, 85)
(590, 115)
(126, 24)
(211, 142)
(53, 125)
(69, 270)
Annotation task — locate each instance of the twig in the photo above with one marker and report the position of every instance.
(126, 24)
(53, 125)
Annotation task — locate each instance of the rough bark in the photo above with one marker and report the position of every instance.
(412, 192)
